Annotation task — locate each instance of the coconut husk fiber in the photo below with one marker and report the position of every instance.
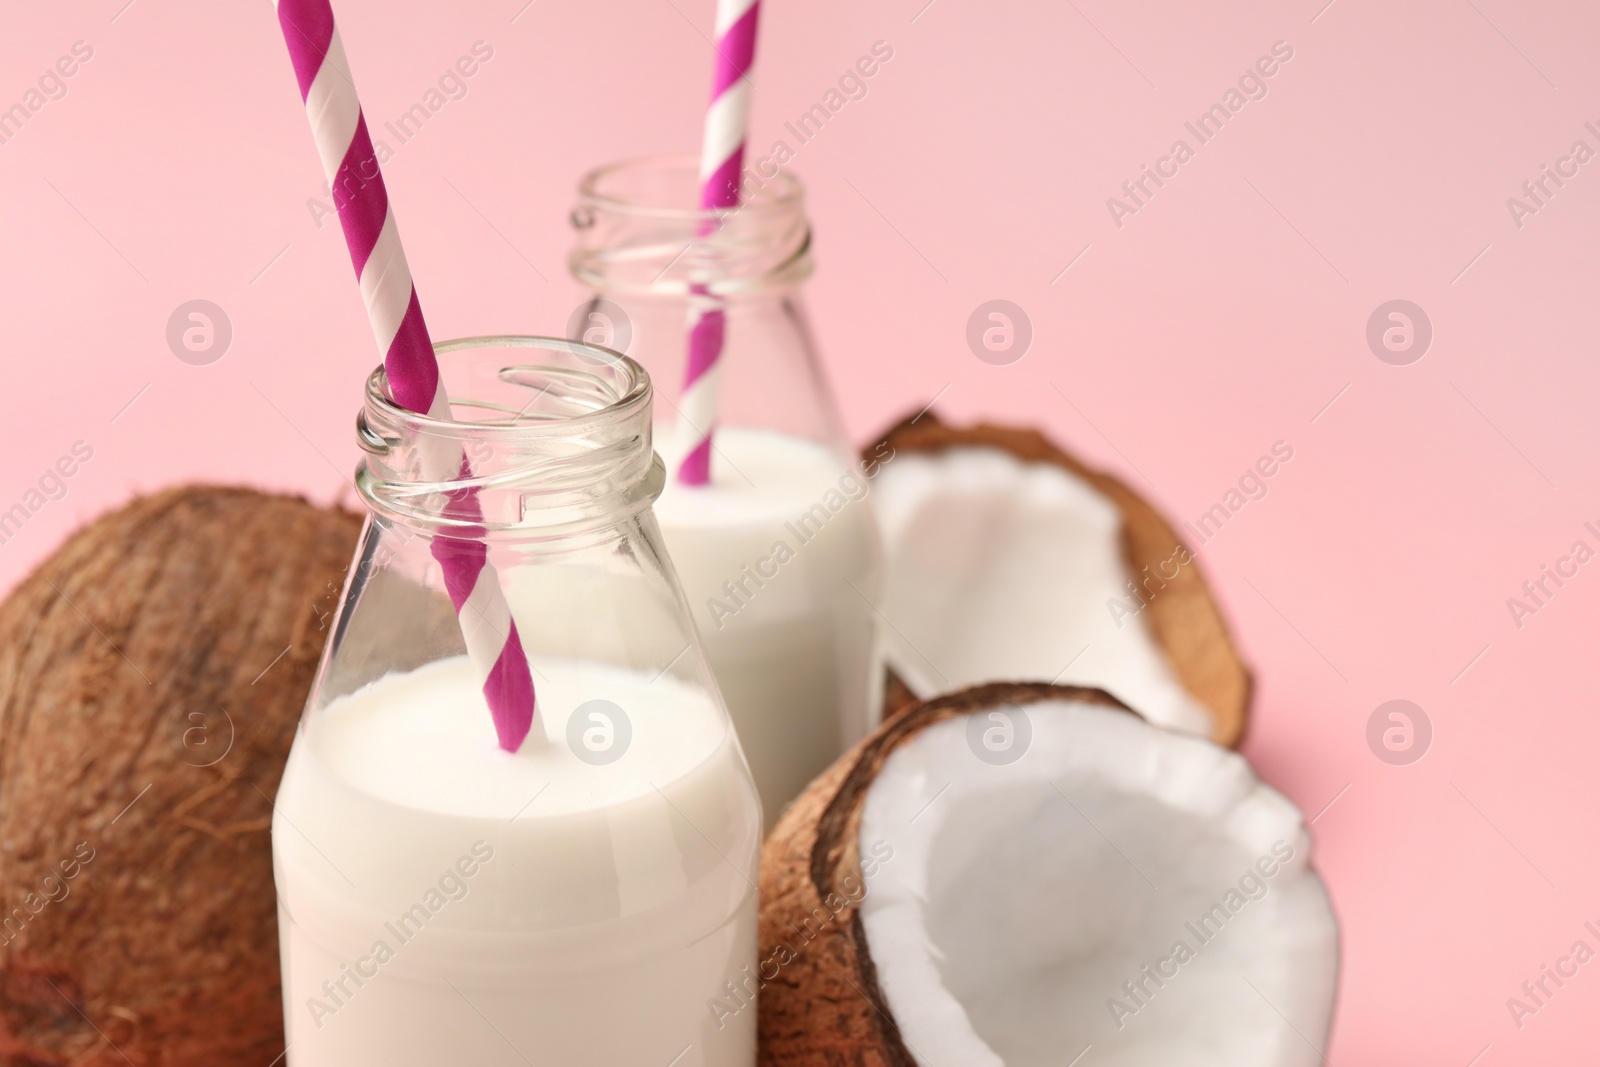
(152, 672)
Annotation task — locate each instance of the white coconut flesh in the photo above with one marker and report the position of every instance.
(1001, 570)
(1021, 898)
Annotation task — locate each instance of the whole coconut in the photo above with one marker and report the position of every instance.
(152, 672)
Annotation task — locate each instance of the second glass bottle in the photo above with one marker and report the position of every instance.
(779, 555)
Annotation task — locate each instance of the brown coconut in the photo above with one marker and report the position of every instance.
(824, 1008)
(1184, 620)
(823, 1000)
(152, 672)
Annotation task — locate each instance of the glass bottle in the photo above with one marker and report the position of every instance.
(779, 555)
(587, 899)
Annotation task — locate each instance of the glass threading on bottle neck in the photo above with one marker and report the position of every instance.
(555, 434)
(639, 233)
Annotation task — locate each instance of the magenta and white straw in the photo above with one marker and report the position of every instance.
(721, 169)
(351, 166)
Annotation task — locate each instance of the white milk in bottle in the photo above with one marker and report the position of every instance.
(531, 905)
(588, 900)
(779, 555)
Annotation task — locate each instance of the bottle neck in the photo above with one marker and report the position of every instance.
(640, 235)
(547, 439)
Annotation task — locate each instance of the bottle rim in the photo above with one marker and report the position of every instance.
(780, 194)
(634, 380)
(641, 234)
(584, 456)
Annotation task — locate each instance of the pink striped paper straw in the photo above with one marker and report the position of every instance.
(721, 168)
(351, 164)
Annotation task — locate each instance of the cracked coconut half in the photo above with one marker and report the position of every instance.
(1016, 873)
(1007, 559)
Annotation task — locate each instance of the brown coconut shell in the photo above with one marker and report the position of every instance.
(1184, 617)
(152, 672)
(824, 1008)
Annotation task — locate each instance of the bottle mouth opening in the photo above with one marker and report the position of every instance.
(668, 188)
(545, 386)
(640, 232)
(544, 433)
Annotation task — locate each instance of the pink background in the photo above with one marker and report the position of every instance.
(1227, 314)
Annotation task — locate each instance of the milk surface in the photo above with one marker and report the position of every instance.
(778, 558)
(443, 902)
